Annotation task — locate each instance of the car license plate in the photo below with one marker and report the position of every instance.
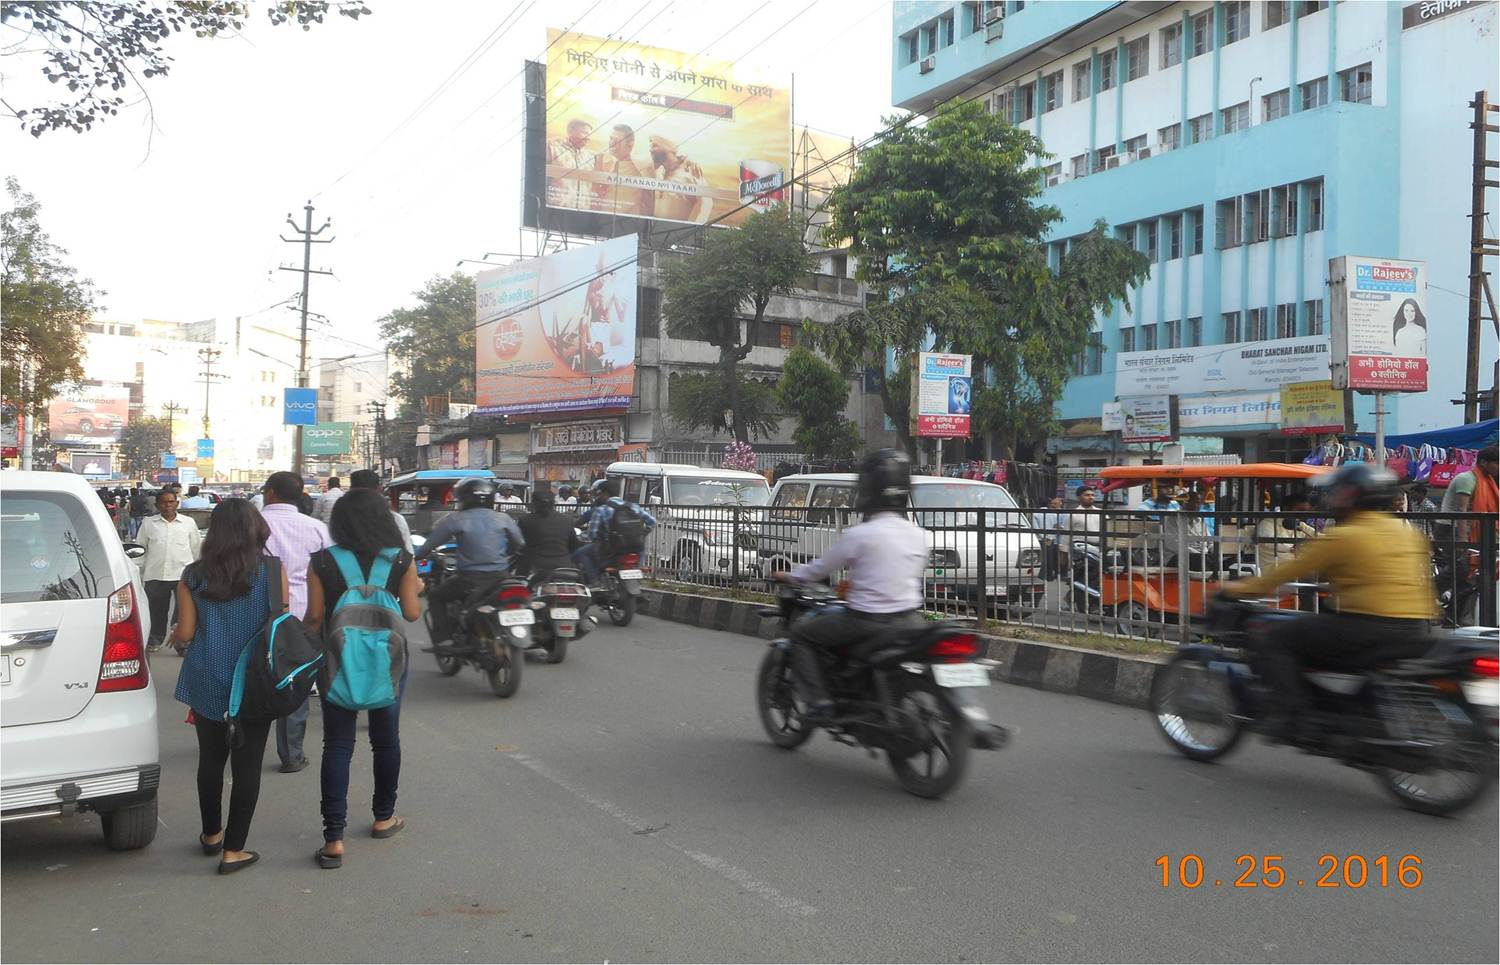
(4, 669)
(960, 675)
(564, 613)
(516, 618)
(630, 574)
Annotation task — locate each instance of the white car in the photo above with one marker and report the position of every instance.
(695, 509)
(77, 704)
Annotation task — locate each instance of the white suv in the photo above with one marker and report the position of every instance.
(77, 708)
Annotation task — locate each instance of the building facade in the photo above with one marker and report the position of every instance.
(1240, 145)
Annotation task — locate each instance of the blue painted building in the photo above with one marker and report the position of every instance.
(1240, 145)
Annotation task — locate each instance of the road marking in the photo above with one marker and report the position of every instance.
(724, 869)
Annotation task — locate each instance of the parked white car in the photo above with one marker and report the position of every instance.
(77, 704)
(809, 510)
(694, 509)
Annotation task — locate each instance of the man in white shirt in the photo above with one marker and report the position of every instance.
(196, 500)
(885, 557)
(508, 496)
(323, 510)
(172, 542)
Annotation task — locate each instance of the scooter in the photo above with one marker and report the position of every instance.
(560, 603)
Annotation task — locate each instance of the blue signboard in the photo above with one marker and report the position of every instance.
(169, 460)
(205, 448)
(299, 407)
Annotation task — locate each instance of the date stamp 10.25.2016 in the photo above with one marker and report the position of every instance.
(1277, 871)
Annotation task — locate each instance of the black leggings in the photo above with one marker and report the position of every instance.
(244, 765)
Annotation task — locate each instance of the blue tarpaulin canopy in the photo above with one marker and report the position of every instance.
(1475, 436)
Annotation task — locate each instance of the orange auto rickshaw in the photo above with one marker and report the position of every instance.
(1132, 569)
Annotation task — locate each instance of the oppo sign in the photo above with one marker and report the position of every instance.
(328, 438)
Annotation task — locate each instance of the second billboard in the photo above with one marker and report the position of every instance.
(557, 334)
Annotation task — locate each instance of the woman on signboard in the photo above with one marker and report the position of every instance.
(1409, 333)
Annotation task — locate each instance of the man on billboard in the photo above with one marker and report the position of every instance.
(572, 151)
(616, 199)
(677, 169)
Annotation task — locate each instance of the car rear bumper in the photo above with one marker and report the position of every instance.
(94, 792)
(110, 749)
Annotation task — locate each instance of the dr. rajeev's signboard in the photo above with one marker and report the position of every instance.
(942, 392)
(1379, 324)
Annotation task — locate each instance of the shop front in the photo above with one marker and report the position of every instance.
(575, 453)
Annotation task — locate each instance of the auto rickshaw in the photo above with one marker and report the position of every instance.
(424, 497)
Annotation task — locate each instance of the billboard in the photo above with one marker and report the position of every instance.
(1236, 367)
(943, 390)
(1146, 419)
(643, 132)
(94, 465)
(90, 415)
(1379, 324)
(1311, 408)
(328, 439)
(557, 334)
(299, 407)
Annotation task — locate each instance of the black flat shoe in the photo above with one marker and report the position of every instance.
(230, 867)
(211, 849)
(389, 832)
(328, 861)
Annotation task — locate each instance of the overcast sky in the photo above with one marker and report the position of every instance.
(249, 128)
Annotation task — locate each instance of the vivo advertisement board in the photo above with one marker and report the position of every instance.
(299, 407)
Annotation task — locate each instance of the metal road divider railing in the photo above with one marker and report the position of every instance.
(1134, 574)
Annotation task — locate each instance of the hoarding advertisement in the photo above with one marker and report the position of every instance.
(944, 392)
(89, 415)
(557, 334)
(1237, 367)
(1379, 324)
(94, 465)
(328, 439)
(645, 132)
(1147, 419)
(299, 407)
(1311, 408)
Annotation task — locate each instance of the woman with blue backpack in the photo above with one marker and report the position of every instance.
(223, 601)
(361, 592)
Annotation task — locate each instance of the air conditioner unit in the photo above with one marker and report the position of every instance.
(928, 65)
(1113, 161)
(1053, 180)
(994, 13)
(1142, 154)
(994, 31)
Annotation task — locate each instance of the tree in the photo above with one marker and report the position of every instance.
(720, 295)
(695, 400)
(815, 392)
(949, 235)
(435, 340)
(45, 305)
(97, 50)
(142, 442)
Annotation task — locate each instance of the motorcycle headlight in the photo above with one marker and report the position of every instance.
(1029, 558)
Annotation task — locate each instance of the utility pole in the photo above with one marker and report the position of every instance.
(171, 409)
(1479, 248)
(306, 237)
(377, 410)
(208, 356)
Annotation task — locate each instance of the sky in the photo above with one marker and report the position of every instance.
(181, 221)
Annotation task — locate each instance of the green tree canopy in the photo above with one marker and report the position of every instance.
(815, 392)
(720, 295)
(44, 305)
(142, 443)
(435, 343)
(945, 221)
(695, 400)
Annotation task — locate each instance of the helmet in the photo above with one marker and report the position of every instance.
(1359, 485)
(884, 481)
(542, 499)
(475, 492)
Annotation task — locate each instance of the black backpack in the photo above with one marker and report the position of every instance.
(627, 530)
(277, 667)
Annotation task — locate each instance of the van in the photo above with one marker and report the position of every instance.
(694, 510)
(809, 510)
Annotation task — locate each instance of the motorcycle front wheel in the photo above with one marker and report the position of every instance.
(944, 736)
(505, 677)
(621, 608)
(449, 665)
(776, 699)
(1194, 709)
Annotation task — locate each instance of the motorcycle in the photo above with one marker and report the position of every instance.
(491, 628)
(620, 589)
(560, 602)
(1410, 722)
(915, 697)
(1458, 592)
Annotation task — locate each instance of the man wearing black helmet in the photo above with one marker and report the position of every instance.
(1381, 571)
(485, 539)
(550, 537)
(884, 556)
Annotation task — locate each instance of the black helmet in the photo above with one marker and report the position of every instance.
(475, 492)
(884, 481)
(1359, 485)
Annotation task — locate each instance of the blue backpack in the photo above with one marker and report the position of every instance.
(276, 668)
(366, 637)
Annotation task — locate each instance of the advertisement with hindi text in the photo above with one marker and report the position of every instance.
(942, 388)
(1311, 408)
(557, 334)
(1379, 324)
(643, 132)
(1146, 419)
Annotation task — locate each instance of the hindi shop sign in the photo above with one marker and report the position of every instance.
(299, 407)
(1147, 419)
(1233, 409)
(328, 439)
(1416, 14)
(1311, 408)
(578, 436)
(1237, 367)
(1379, 324)
(943, 388)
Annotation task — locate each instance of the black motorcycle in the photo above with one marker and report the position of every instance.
(560, 600)
(491, 627)
(1409, 722)
(914, 697)
(620, 587)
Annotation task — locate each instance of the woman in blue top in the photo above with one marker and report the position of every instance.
(222, 602)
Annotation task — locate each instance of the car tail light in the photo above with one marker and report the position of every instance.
(958, 648)
(1486, 667)
(630, 560)
(513, 596)
(124, 665)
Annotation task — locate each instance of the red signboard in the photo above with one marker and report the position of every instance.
(1387, 373)
(943, 426)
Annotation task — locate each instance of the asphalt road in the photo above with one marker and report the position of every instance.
(625, 806)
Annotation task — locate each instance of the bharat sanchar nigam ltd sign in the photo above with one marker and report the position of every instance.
(1236, 367)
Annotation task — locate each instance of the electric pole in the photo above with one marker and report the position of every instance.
(1479, 247)
(171, 409)
(208, 356)
(306, 237)
(377, 409)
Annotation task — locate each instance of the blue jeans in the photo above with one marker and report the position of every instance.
(587, 558)
(338, 753)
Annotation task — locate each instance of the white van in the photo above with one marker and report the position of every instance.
(691, 541)
(808, 511)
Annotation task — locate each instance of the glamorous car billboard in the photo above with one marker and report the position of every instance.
(89, 415)
(557, 334)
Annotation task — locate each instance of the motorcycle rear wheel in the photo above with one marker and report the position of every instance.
(1463, 763)
(947, 740)
(776, 700)
(557, 651)
(622, 609)
(505, 678)
(1194, 709)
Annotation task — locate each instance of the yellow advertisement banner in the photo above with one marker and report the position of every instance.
(1310, 408)
(643, 132)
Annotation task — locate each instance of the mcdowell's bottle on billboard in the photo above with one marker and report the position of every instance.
(761, 183)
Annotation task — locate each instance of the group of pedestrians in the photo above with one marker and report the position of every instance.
(224, 598)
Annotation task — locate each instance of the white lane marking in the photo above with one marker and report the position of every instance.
(730, 872)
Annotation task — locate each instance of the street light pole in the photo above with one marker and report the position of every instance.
(306, 236)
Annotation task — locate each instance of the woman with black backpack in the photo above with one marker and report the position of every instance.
(223, 600)
(366, 539)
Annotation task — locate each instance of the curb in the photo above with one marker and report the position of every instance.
(1114, 678)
